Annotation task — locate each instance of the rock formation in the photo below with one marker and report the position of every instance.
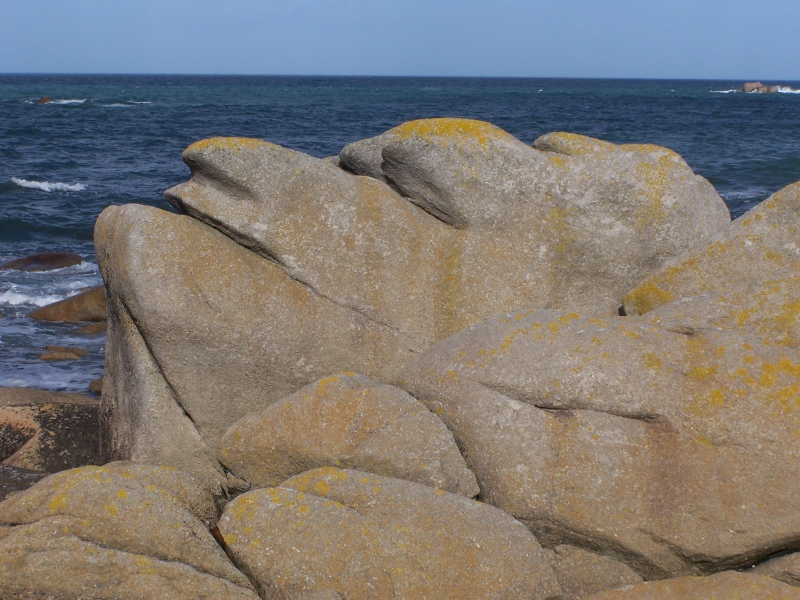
(299, 269)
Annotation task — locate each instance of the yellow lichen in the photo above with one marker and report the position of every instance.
(448, 130)
(234, 144)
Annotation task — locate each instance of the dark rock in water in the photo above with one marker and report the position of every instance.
(45, 261)
(47, 431)
(63, 353)
(44, 100)
(94, 328)
(86, 306)
(14, 479)
(96, 386)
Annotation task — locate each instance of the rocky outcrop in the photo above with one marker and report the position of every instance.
(86, 306)
(749, 277)
(783, 568)
(724, 586)
(299, 269)
(364, 536)
(669, 450)
(45, 261)
(14, 479)
(119, 531)
(346, 421)
(758, 87)
(47, 431)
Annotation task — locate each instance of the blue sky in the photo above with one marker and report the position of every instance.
(714, 39)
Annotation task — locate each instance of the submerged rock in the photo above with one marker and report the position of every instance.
(671, 451)
(46, 261)
(364, 536)
(86, 306)
(346, 421)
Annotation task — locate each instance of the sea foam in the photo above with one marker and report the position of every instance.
(47, 186)
(14, 298)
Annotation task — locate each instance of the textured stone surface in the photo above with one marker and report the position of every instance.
(119, 528)
(723, 586)
(347, 421)
(305, 269)
(674, 453)
(364, 536)
(749, 276)
(226, 332)
(86, 306)
(48, 431)
(581, 572)
(45, 261)
(588, 214)
(784, 568)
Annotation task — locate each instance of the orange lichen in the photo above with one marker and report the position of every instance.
(449, 130)
(234, 144)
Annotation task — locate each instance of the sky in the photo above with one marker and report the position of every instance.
(664, 39)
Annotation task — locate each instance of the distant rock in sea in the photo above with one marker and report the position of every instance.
(758, 87)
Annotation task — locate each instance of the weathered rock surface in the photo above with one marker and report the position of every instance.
(210, 336)
(346, 421)
(48, 431)
(784, 568)
(45, 261)
(723, 586)
(118, 531)
(748, 277)
(673, 453)
(581, 572)
(758, 87)
(347, 274)
(364, 536)
(86, 306)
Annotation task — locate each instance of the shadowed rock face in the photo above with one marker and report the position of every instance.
(44, 261)
(291, 268)
(674, 453)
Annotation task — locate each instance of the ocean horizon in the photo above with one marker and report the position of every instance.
(117, 139)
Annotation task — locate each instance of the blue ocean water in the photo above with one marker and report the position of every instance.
(118, 139)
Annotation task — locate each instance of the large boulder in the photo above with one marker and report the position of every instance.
(118, 531)
(364, 536)
(672, 451)
(292, 268)
(346, 421)
(723, 586)
(199, 339)
(748, 277)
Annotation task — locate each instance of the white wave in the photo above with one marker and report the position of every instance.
(47, 186)
(118, 105)
(69, 101)
(787, 90)
(724, 91)
(139, 102)
(14, 298)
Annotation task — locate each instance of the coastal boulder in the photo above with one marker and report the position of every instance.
(748, 277)
(672, 451)
(365, 536)
(286, 268)
(347, 421)
(89, 305)
(118, 531)
(198, 340)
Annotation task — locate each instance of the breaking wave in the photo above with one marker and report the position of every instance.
(47, 186)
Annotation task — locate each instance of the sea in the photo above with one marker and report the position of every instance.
(109, 139)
